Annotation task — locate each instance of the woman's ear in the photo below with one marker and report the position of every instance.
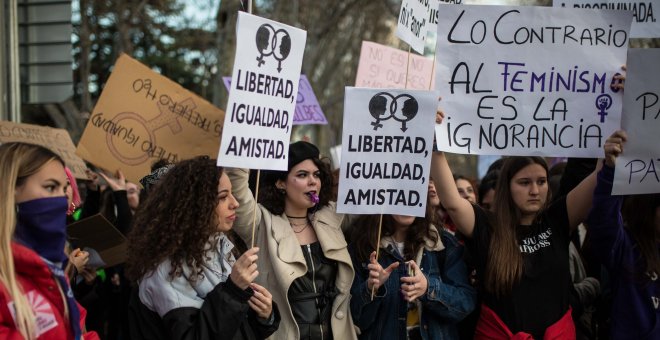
(279, 184)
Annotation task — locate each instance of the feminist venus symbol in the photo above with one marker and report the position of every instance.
(378, 108)
(272, 42)
(164, 119)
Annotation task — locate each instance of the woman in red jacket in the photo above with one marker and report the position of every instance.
(35, 297)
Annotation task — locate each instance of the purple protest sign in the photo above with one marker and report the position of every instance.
(308, 110)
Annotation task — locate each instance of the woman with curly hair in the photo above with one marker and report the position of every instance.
(420, 281)
(36, 301)
(192, 283)
(304, 257)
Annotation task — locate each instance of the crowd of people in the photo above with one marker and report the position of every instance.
(526, 252)
(513, 257)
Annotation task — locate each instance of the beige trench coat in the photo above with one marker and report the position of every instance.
(281, 259)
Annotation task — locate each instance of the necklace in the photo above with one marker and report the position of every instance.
(298, 217)
(294, 225)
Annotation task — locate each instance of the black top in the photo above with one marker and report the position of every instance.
(311, 296)
(541, 297)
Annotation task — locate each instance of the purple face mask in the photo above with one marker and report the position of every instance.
(41, 226)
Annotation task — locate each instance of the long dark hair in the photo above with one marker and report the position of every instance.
(505, 261)
(365, 233)
(639, 214)
(272, 198)
(176, 221)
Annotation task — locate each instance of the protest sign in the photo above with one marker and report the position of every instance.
(308, 110)
(638, 168)
(529, 80)
(413, 19)
(57, 140)
(382, 66)
(386, 151)
(432, 26)
(142, 117)
(100, 238)
(262, 98)
(644, 25)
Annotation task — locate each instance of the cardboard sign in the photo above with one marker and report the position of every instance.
(308, 110)
(97, 235)
(262, 99)
(413, 19)
(529, 80)
(638, 167)
(382, 66)
(57, 140)
(645, 13)
(386, 151)
(142, 117)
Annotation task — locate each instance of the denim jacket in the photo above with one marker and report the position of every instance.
(449, 297)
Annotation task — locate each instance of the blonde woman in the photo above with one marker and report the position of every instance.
(35, 297)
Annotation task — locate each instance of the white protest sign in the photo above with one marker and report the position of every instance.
(386, 151)
(432, 26)
(411, 27)
(529, 80)
(262, 98)
(638, 168)
(644, 25)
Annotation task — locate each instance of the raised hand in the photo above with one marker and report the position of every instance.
(377, 275)
(116, 183)
(614, 147)
(93, 180)
(415, 286)
(245, 269)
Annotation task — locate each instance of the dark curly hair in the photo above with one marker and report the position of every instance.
(273, 199)
(176, 221)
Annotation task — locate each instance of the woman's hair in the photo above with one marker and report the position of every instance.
(505, 261)
(177, 221)
(639, 214)
(272, 198)
(487, 183)
(365, 232)
(18, 161)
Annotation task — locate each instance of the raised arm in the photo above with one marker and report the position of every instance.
(459, 209)
(579, 200)
(245, 214)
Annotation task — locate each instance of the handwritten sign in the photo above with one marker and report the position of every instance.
(142, 117)
(413, 19)
(308, 110)
(386, 151)
(262, 99)
(645, 23)
(382, 66)
(433, 12)
(529, 80)
(57, 140)
(638, 168)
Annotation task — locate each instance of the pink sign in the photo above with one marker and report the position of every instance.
(385, 67)
(308, 110)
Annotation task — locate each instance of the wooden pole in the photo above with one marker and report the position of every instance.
(380, 224)
(256, 206)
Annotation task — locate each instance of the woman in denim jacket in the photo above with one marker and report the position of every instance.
(420, 281)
